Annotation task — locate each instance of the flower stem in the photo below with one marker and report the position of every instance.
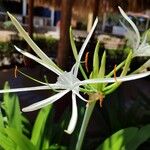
(87, 115)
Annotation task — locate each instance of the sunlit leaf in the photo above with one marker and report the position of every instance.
(119, 139)
(22, 141)
(40, 126)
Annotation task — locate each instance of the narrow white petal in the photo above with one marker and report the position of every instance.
(143, 51)
(143, 67)
(130, 36)
(52, 68)
(47, 87)
(111, 80)
(84, 46)
(79, 95)
(74, 116)
(144, 40)
(132, 24)
(35, 48)
(45, 102)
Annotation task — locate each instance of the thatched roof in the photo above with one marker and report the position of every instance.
(129, 5)
(109, 5)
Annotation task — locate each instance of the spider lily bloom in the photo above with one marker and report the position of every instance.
(66, 81)
(140, 48)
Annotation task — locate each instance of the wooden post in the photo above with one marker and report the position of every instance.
(95, 9)
(30, 17)
(64, 43)
(64, 50)
(92, 15)
(29, 62)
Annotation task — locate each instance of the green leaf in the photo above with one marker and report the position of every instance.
(5, 141)
(119, 139)
(12, 110)
(142, 136)
(56, 147)
(22, 141)
(1, 120)
(35, 48)
(40, 126)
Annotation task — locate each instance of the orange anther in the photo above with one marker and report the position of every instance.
(86, 61)
(15, 71)
(101, 99)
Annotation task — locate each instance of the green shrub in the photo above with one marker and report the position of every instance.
(47, 44)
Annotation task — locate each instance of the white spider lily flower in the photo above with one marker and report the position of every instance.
(65, 82)
(140, 48)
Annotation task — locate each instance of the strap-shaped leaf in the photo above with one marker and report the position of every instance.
(5, 141)
(40, 126)
(1, 119)
(119, 139)
(142, 135)
(22, 141)
(12, 110)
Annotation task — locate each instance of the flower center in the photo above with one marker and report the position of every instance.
(67, 80)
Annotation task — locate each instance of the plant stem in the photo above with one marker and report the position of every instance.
(87, 115)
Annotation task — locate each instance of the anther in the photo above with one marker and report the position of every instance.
(101, 99)
(86, 61)
(15, 71)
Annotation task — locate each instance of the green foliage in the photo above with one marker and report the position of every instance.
(21, 141)
(6, 48)
(126, 139)
(45, 134)
(47, 44)
(8, 25)
(11, 111)
(40, 125)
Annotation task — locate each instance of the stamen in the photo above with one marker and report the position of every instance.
(38, 81)
(86, 61)
(101, 99)
(115, 71)
(96, 97)
(15, 71)
(51, 88)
